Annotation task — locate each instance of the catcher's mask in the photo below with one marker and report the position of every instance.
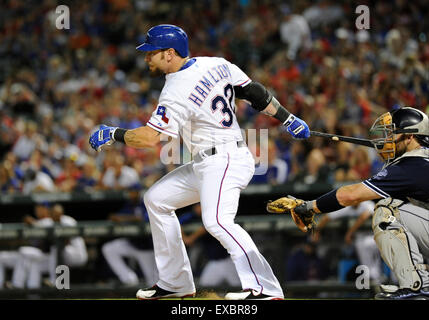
(405, 120)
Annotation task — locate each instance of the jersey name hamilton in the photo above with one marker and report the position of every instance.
(198, 104)
(207, 82)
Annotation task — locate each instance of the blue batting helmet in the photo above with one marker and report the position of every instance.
(166, 36)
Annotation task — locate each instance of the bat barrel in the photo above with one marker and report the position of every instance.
(363, 142)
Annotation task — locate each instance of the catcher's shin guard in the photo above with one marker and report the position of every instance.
(394, 244)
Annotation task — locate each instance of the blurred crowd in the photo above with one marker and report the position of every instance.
(56, 85)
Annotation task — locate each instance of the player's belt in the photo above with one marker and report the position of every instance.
(212, 151)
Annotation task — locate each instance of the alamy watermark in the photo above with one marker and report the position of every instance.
(362, 21)
(63, 17)
(63, 277)
(363, 280)
(173, 152)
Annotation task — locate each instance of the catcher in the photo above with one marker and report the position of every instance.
(401, 218)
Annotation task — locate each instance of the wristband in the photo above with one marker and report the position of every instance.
(282, 115)
(288, 121)
(328, 202)
(118, 134)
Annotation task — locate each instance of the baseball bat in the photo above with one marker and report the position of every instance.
(335, 137)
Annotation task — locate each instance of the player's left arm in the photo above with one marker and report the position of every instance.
(303, 211)
(334, 200)
(389, 182)
(263, 101)
(354, 194)
(337, 199)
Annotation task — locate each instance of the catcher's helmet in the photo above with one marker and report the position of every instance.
(404, 120)
(165, 36)
(410, 120)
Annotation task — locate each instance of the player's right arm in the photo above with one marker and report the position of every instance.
(141, 137)
(320, 225)
(165, 119)
(358, 223)
(263, 101)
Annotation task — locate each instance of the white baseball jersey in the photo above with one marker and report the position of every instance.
(75, 252)
(198, 104)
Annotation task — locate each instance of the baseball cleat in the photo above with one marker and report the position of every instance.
(156, 293)
(402, 294)
(389, 288)
(249, 294)
(425, 291)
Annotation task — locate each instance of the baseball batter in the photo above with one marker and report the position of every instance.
(401, 218)
(197, 102)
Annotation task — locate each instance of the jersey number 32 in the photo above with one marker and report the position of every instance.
(226, 107)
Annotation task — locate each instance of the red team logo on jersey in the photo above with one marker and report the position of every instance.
(162, 111)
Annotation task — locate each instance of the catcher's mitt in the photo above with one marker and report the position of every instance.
(302, 213)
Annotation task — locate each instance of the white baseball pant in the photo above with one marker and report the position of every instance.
(32, 262)
(75, 253)
(368, 254)
(8, 259)
(216, 182)
(116, 250)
